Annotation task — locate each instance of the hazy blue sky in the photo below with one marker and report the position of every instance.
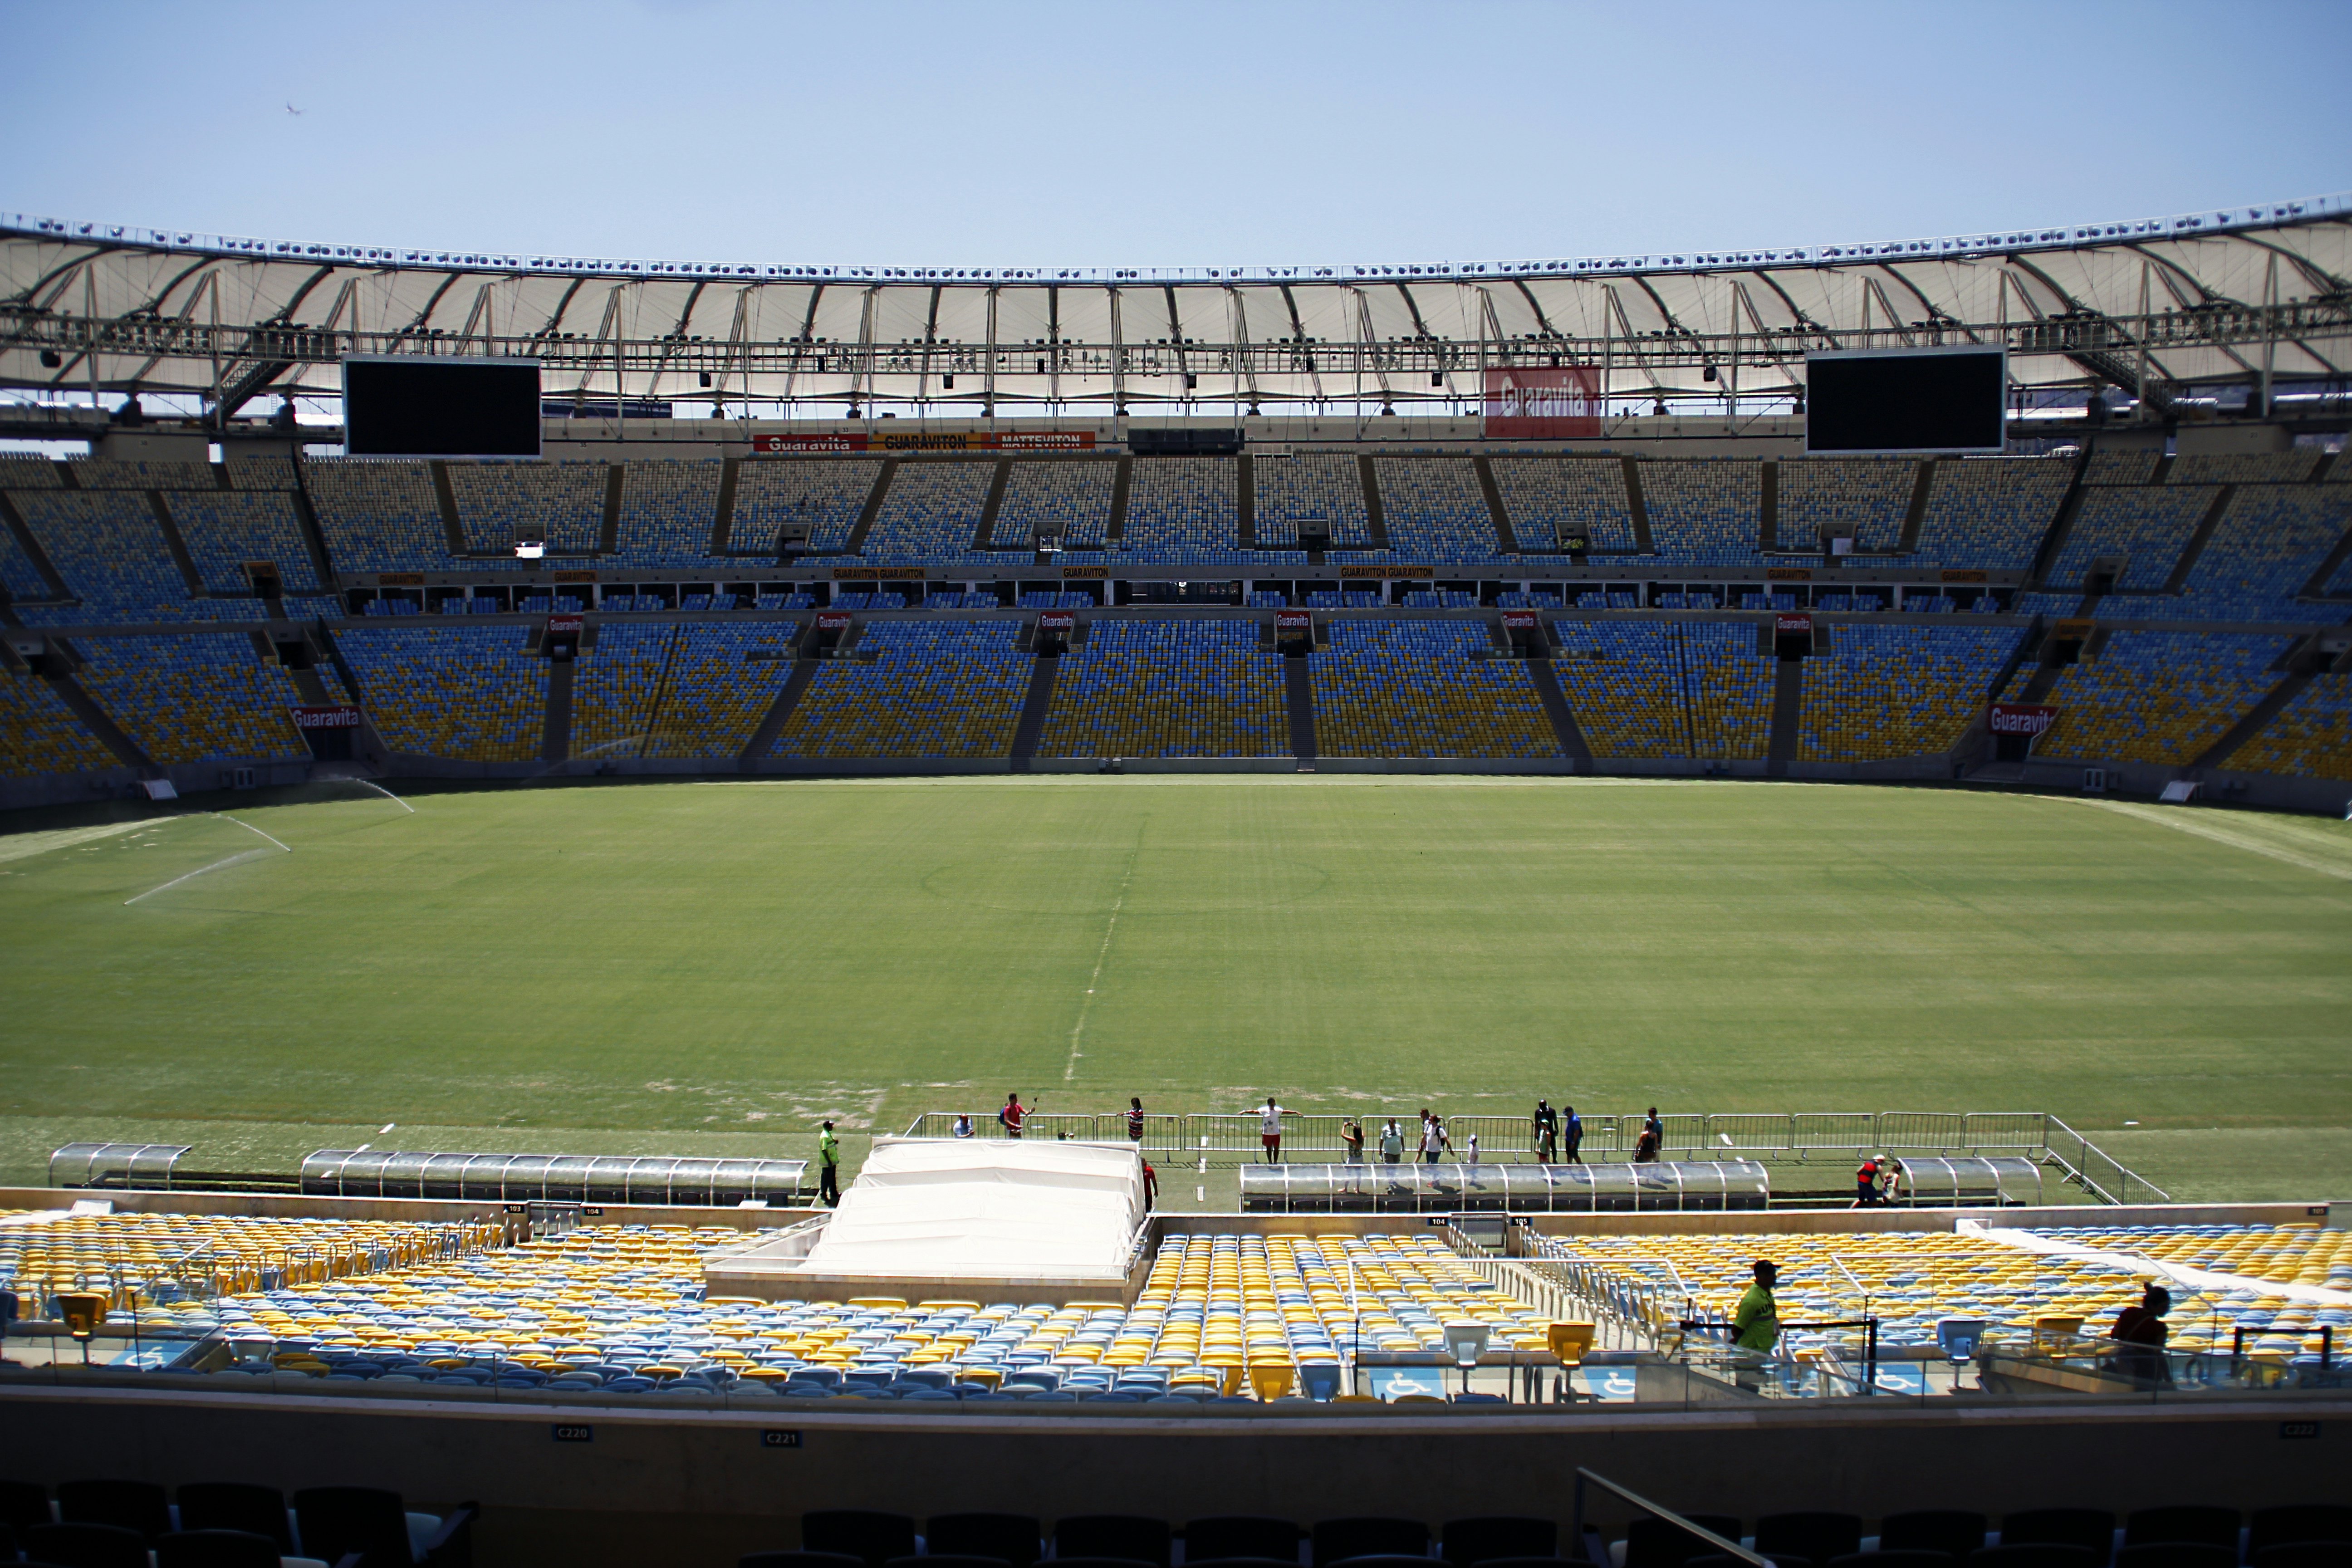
(1202, 132)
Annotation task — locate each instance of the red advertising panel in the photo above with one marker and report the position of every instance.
(833, 621)
(565, 623)
(336, 718)
(1293, 621)
(1788, 624)
(1518, 620)
(2022, 717)
(1058, 620)
(929, 441)
(1560, 403)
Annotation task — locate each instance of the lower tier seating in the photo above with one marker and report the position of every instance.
(1409, 688)
(473, 693)
(938, 688)
(1897, 691)
(200, 698)
(1651, 688)
(1168, 689)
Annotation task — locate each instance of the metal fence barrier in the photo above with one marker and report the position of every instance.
(1225, 1138)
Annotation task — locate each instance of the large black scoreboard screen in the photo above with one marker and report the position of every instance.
(410, 405)
(1906, 400)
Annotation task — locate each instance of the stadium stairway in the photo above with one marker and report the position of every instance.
(1572, 743)
(1298, 692)
(555, 735)
(881, 492)
(795, 684)
(1376, 522)
(1507, 539)
(994, 504)
(1788, 705)
(94, 720)
(1033, 709)
(2206, 525)
(2253, 722)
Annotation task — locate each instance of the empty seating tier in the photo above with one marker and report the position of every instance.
(378, 516)
(1182, 508)
(475, 693)
(1708, 513)
(2146, 526)
(1311, 487)
(722, 681)
(2269, 545)
(1550, 499)
(2158, 697)
(202, 699)
(1991, 512)
(559, 504)
(110, 552)
(2311, 735)
(1897, 691)
(615, 687)
(932, 511)
(1648, 688)
(668, 509)
(778, 497)
(1436, 510)
(39, 734)
(937, 689)
(1409, 688)
(1069, 498)
(1168, 689)
(228, 531)
(1863, 497)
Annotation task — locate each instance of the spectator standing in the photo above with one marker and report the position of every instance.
(1656, 1126)
(1351, 1135)
(1134, 1119)
(1473, 1147)
(964, 1124)
(1151, 1186)
(1010, 1117)
(1547, 1127)
(1432, 1139)
(1572, 1127)
(1391, 1142)
(1269, 1130)
(828, 1158)
(1868, 1192)
(2140, 1333)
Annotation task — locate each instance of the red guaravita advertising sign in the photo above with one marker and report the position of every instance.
(919, 441)
(833, 621)
(2022, 717)
(1792, 625)
(1560, 403)
(1058, 620)
(565, 623)
(1518, 620)
(1294, 621)
(335, 718)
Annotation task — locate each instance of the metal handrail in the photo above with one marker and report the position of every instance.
(1655, 1510)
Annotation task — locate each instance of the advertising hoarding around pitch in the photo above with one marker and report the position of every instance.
(931, 441)
(1928, 401)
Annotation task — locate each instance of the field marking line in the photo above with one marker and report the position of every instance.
(1079, 1029)
(2180, 821)
(247, 855)
(17, 847)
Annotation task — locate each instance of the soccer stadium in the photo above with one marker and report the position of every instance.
(1632, 909)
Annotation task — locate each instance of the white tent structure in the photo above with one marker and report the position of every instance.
(1005, 1220)
(2247, 294)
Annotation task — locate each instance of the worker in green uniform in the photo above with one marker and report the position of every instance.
(1756, 1324)
(828, 1158)
(1755, 1328)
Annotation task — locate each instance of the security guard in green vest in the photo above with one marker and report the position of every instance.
(828, 1158)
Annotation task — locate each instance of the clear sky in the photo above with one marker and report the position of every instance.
(1204, 133)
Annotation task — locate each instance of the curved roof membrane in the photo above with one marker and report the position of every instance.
(2213, 296)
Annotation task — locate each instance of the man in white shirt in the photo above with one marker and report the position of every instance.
(1269, 1130)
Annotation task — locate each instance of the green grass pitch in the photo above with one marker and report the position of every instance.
(696, 967)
